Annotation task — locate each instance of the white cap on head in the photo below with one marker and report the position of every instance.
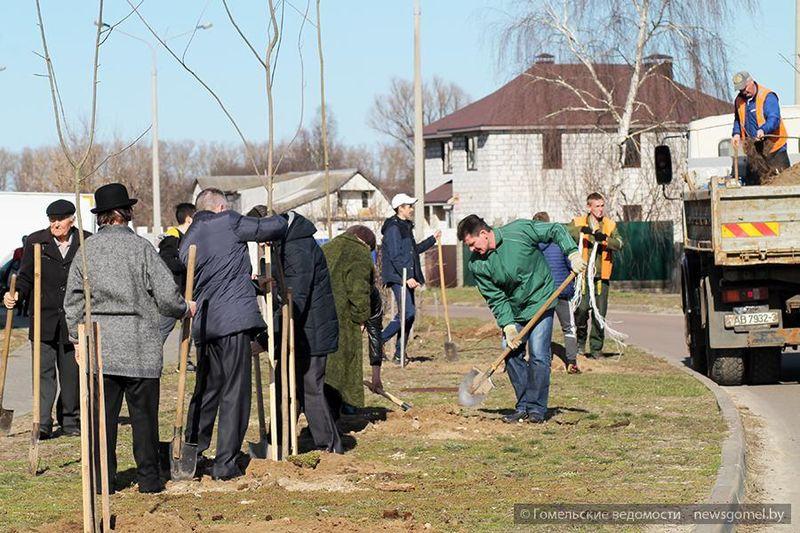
(402, 199)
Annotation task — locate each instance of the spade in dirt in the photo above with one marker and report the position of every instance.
(405, 406)
(7, 415)
(183, 455)
(33, 452)
(476, 384)
(450, 349)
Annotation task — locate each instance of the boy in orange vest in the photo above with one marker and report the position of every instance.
(587, 230)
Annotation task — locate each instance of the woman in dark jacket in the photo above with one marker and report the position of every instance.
(305, 273)
(357, 303)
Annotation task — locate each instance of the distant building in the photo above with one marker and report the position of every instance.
(354, 198)
(527, 147)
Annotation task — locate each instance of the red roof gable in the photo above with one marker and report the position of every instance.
(441, 194)
(531, 102)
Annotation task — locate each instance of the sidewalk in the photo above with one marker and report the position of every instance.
(17, 395)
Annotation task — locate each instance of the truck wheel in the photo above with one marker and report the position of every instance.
(764, 366)
(725, 369)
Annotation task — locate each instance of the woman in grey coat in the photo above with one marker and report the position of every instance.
(131, 288)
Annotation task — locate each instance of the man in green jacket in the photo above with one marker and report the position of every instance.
(514, 279)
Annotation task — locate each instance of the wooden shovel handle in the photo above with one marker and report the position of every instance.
(37, 330)
(444, 292)
(532, 322)
(186, 332)
(7, 340)
(389, 396)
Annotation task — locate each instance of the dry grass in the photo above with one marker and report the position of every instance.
(628, 430)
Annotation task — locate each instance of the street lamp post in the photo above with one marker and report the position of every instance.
(154, 120)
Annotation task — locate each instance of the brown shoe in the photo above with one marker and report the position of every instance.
(572, 368)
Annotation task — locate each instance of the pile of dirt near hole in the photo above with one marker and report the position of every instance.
(437, 423)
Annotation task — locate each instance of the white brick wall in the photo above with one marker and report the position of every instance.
(509, 182)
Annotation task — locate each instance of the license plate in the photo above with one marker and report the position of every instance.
(752, 319)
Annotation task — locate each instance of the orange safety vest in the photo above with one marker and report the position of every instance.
(607, 262)
(761, 97)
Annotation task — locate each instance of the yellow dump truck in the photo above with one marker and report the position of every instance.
(740, 276)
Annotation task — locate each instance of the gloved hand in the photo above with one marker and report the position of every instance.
(510, 331)
(599, 236)
(586, 230)
(576, 263)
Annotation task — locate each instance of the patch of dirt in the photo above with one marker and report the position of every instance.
(321, 525)
(440, 423)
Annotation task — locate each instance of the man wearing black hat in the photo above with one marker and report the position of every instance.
(60, 242)
(131, 289)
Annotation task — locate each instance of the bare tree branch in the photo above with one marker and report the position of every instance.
(118, 152)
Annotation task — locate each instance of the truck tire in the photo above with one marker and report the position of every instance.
(764, 366)
(725, 369)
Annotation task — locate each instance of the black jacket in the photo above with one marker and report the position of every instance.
(223, 290)
(169, 250)
(54, 282)
(305, 273)
(399, 250)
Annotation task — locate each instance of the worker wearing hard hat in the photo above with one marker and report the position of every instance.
(758, 129)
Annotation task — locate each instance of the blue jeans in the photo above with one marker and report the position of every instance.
(531, 378)
(393, 328)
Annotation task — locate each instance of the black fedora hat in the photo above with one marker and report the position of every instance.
(112, 196)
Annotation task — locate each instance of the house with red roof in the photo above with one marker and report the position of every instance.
(543, 141)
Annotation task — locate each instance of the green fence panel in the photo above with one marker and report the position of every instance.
(648, 252)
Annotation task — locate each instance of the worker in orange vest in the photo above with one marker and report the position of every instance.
(757, 118)
(594, 227)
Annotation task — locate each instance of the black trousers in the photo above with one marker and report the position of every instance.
(313, 402)
(142, 395)
(58, 358)
(223, 385)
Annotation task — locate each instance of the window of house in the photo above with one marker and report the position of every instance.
(471, 148)
(551, 150)
(632, 213)
(365, 198)
(447, 162)
(633, 152)
(340, 200)
(724, 148)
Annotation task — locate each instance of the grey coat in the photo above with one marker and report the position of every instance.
(131, 287)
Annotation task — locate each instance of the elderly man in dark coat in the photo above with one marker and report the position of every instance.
(358, 303)
(131, 288)
(227, 319)
(60, 242)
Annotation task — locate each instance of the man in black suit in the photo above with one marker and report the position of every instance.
(60, 243)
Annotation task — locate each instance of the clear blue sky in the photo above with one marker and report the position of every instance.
(367, 42)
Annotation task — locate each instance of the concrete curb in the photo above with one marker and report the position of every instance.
(729, 487)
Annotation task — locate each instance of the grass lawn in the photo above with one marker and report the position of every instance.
(652, 302)
(632, 430)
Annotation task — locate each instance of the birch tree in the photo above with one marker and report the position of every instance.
(594, 32)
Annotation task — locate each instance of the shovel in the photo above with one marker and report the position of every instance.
(258, 450)
(405, 406)
(183, 455)
(7, 415)
(450, 349)
(476, 384)
(33, 452)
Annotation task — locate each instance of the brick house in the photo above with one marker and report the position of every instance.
(526, 148)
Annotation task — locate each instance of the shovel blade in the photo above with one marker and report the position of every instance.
(258, 450)
(473, 388)
(450, 351)
(182, 460)
(6, 416)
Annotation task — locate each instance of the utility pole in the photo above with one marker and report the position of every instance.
(325, 157)
(797, 52)
(419, 155)
(154, 150)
